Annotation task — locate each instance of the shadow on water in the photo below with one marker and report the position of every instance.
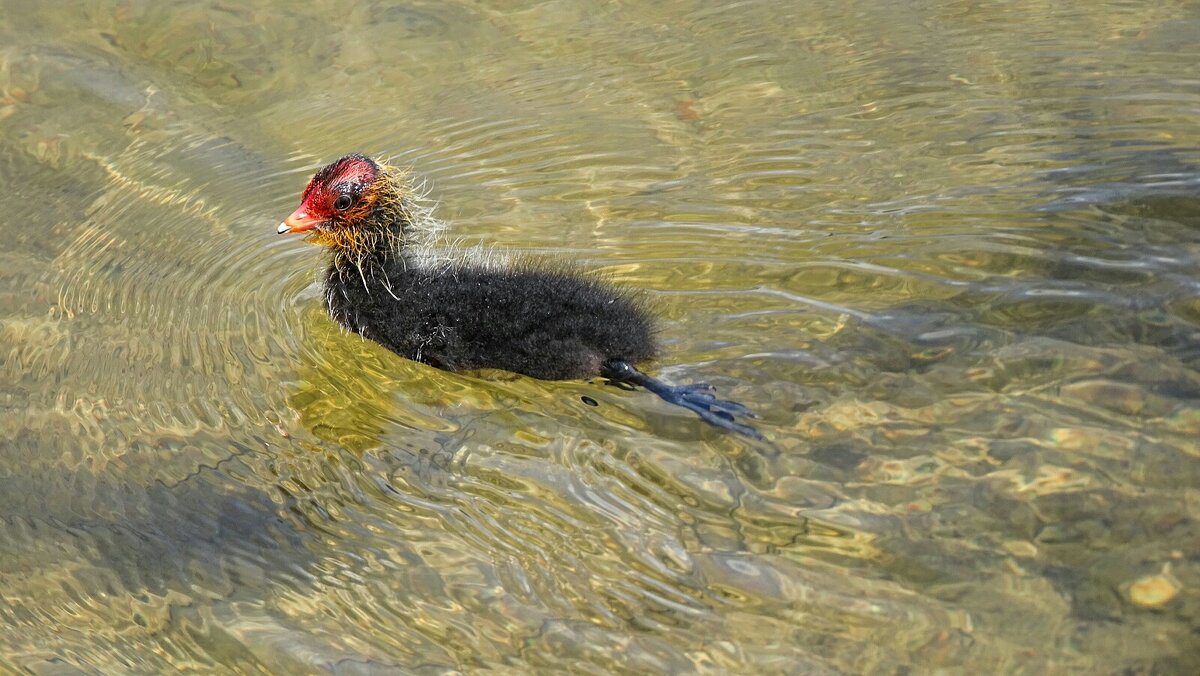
(211, 566)
(165, 564)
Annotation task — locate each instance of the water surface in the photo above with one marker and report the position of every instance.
(948, 251)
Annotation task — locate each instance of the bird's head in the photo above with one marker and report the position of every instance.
(344, 205)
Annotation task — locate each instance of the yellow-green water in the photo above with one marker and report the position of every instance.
(948, 250)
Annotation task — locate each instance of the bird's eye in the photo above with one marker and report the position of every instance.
(343, 202)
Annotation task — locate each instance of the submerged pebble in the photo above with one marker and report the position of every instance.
(1153, 591)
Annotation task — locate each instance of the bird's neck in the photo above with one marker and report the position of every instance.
(357, 279)
(376, 244)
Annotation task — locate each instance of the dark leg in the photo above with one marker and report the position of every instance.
(697, 397)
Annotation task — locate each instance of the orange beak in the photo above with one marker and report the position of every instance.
(299, 221)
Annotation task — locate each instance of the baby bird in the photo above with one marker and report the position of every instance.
(548, 321)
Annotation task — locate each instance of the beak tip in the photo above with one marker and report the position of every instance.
(283, 228)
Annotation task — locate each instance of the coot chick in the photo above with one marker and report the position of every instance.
(385, 283)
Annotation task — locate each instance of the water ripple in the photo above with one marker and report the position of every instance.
(957, 283)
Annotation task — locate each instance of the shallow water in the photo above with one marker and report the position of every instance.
(948, 251)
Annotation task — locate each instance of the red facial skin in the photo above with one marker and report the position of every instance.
(353, 176)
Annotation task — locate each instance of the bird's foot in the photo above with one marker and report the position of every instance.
(698, 398)
(702, 393)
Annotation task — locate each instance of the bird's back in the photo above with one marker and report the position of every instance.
(550, 323)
